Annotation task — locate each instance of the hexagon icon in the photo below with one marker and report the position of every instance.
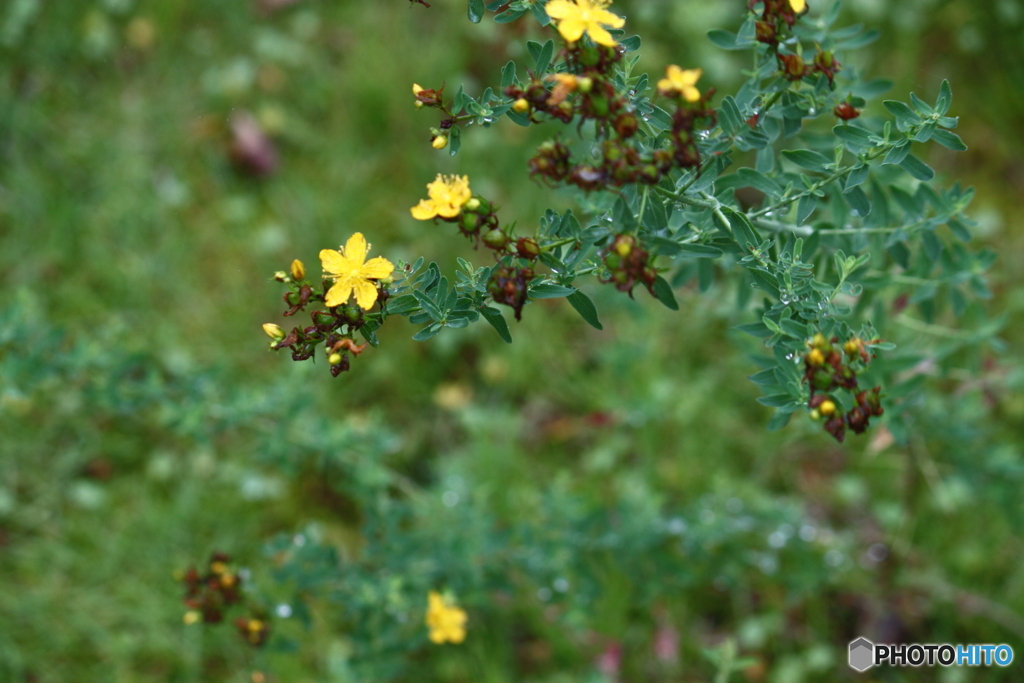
(862, 654)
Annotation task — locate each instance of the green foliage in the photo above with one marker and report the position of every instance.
(582, 492)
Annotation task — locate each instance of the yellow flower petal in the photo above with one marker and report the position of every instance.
(600, 36)
(560, 9)
(423, 211)
(366, 293)
(356, 248)
(689, 76)
(571, 29)
(339, 293)
(603, 16)
(333, 262)
(377, 268)
(798, 5)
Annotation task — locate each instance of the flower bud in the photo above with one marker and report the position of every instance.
(584, 84)
(816, 357)
(416, 89)
(624, 245)
(334, 359)
(472, 205)
(281, 276)
(439, 142)
(527, 247)
(298, 270)
(827, 408)
(495, 239)
(845, 111)
(191, 617)
(521, 106)
(273, 331)
(852, 346)
(815, 414)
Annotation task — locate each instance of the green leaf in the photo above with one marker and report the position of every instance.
(497, 321)
(699, 251)
(917, 168)
(509, 16)
(858, 201)
(808, 159)
(905, 116)
(898, 153)
(476, 10)
(779, 420)
(508, 74)
(857, 176)
(454, 140)
(547, 290)
(544, 58)
(949, 140)
(759, 181)
(585, 307)
(427, 332)
(857, 137)
(663, 292)
(945, 98)
(805, 207)
(724, 39)
(539, 14)
(743, 232)
(758, 330)
(776, 400)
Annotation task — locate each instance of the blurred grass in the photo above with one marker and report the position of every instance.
(123, 222)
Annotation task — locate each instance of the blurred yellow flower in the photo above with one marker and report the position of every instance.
(576, 17)
(353, 273)
(683, 81)
(798, 5)
(447, 623)
(447, 195)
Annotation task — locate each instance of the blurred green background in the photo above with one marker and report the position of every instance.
(143, 424)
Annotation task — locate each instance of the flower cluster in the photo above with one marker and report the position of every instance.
(777, 18)
(446, 622)
(628, 263)
(351, 286)
(828, 367)
(207, 595)
(509, 285)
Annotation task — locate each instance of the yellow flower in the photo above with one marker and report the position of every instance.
(448, 194)
(577, 17)
(298, 270)
(798, 5)
(445, 621)
(353, 273)
(681, 81)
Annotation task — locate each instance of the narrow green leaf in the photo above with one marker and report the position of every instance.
(497, 321)
(808, 159)
(427, 332)
(663, 292)
(547, 290)
(544, 58)
(585, 307)
(917, 168)
(949, 140)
